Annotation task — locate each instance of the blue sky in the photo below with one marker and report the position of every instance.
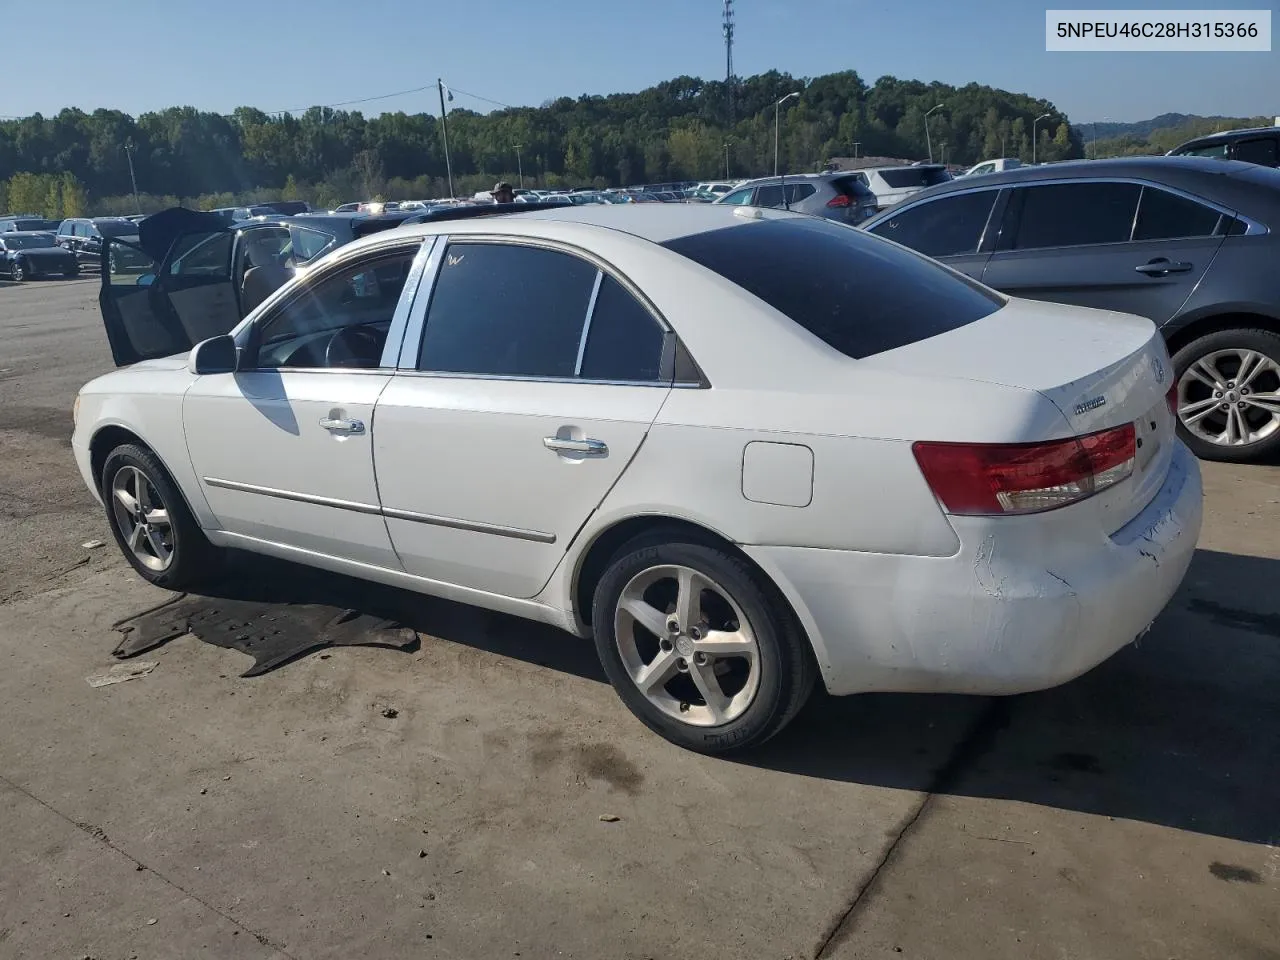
(137, 55)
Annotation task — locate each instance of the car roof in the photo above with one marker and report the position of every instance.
(1227, 136)
(824, 175)
(1167, 168)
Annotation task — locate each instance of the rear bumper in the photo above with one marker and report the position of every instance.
(1021, 607)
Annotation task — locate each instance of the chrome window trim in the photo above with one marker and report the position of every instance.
(411, 340)
(404, 307)
(391, 513)
(450, 375)
(586, 323)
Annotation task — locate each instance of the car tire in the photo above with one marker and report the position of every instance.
(17, 272)
(759, 691)
(1205, 371)
(172, 553)
(73, 270)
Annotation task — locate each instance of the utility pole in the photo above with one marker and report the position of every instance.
(444, 127)
(726, 158)
(927, 138)
(728, 53)
(520, 165)
(128, 152)
(1043, 116)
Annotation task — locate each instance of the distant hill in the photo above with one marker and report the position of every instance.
(1157, 135)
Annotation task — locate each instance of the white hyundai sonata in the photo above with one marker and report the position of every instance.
(743, 449)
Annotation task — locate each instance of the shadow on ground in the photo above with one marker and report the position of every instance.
(1181, 730)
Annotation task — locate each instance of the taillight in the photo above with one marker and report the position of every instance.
(1171, 398)
(840, 200)
(993, 479)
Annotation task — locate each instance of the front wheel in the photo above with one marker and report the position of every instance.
(1228, 395)
(17, 272)
(151, 521)
(72, 271)
(698, 646)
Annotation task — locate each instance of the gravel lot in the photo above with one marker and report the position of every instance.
(448, 801)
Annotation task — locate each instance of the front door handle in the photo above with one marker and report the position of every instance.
(583, 448)
(341, 425)
(1160, 266)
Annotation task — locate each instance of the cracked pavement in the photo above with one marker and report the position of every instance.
(447, 800)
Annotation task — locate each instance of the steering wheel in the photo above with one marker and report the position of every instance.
(353, 347)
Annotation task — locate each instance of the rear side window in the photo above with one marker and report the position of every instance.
(771, 195)
(623, 341)
(1166, 216)
(1073, 215)
(1216, 151)
(507, 310)
(859, 295)
(947, 227)
(1261, 151)
(914, 177)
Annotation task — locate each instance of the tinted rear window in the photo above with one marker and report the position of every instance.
(116, 228)
(857, 293)
(914, 177)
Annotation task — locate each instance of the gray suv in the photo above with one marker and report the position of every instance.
(835, 196)
(1191, 243)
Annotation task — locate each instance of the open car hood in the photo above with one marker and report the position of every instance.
(157, 233)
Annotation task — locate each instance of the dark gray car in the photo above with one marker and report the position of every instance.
(1187, 242)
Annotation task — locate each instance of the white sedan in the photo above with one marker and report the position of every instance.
(743, 449)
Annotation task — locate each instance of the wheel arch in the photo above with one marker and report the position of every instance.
(1216, 322)
(111, 435)
(594, 559)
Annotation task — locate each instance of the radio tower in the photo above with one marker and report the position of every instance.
(728, 53)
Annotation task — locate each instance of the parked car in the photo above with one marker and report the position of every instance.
(489, 410)
(894, 184)
(83, 236)
(30, 254)
(1260, 145)
(991, 166)
(836, 196)
(1186, 242)
(23, 223)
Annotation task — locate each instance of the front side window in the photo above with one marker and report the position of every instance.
(201, 255)
(507, 310)
(1217, 151)
(1166, 216)
(1072, 215)
(858, 294)
(308, 244)
(1261, 151)
(947, 227)
(340, 320)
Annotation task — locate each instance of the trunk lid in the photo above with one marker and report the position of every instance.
(1099, 369)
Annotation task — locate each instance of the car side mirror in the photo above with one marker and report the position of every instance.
(215, 355)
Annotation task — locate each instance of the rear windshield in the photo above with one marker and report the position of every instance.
(914, 176)
(116, 228)
(852, 187)
(857, 293)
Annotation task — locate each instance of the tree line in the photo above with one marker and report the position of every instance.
(1160, 140)
(685, 128)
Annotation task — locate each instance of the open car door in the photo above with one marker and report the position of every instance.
(171, 288)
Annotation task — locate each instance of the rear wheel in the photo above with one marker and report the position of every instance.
(151, 522)
(72, 271)
(699, 647)
(1228, 388)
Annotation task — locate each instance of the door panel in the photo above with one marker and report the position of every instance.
(271, 470)
(472, 492)
(1106, 276)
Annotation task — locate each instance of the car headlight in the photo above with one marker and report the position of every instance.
(75, 412)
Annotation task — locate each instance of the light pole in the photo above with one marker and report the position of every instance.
(1034, 143)
(519, 165)
(776, 107)
(927, 139)
(856, 145)
(128, 152)
(444, 127)
(944, 153)
(726, 158)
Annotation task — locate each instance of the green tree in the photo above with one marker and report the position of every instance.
(74, 201)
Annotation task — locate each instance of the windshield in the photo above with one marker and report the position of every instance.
(27, 243)
(914, 176)
(116, 228)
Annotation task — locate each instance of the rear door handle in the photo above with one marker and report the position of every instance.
(1161, 266)
(342, 425)
(584, 448)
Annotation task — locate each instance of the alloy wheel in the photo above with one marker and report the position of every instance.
(1231, 397)
(142, 518)
(687, 646)
(16, 272)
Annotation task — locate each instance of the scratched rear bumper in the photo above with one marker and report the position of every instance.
(1027, 603)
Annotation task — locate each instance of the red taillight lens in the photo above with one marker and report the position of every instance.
(985, 479)
(840, 200)
(1171, 398)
